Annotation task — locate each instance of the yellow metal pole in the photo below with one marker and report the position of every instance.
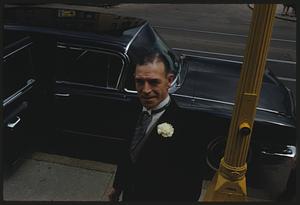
(229, 182)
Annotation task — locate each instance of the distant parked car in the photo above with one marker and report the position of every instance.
(80, 65)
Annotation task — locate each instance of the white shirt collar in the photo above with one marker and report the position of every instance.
(160, 105)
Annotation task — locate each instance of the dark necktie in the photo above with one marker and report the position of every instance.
(139, 133)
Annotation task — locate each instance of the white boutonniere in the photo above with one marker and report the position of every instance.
(165, 129)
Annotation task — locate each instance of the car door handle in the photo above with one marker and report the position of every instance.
(289, 151)
(16, 112)
(62, 94)
(13, 124)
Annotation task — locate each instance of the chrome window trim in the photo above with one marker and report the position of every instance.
(18, 93)
(134, 37)
(176, 78)
(83, 84)
(17, 50)
(97, 50)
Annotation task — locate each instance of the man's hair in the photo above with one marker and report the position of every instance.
(152, 56)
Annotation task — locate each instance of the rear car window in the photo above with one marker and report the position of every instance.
(86, 66)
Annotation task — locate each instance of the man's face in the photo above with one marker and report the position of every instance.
(152, 83)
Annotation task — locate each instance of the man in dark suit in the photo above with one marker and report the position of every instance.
(163, 162)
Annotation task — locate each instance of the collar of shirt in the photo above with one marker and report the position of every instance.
(160, 105)
(156, 116)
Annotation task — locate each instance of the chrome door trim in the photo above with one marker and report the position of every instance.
(18, 93)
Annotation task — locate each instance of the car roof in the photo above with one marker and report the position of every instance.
(87, 24)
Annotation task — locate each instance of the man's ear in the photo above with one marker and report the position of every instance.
(170, 78)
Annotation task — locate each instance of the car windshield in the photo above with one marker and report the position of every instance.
(148, 39)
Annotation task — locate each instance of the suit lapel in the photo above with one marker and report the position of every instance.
(153, 140)
(168, 115)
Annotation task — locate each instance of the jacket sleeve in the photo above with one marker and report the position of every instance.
(119, 178)
(191, 157)
(122, 172)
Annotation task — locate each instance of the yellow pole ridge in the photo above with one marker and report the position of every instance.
(229, 182)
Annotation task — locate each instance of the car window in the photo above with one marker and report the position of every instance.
(17, 69)
(88, 66)
(130, 82)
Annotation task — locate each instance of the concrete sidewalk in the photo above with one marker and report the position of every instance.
(48, 177)
(279, 13)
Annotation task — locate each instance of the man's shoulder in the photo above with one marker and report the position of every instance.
(180, 117)
(179, 111)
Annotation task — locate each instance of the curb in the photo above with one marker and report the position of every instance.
(277, 15)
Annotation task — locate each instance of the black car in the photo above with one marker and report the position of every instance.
(19, 87)
(81, 91)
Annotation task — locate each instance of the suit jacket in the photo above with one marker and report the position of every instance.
(167, 168)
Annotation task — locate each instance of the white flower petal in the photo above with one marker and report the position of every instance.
(165, 129)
